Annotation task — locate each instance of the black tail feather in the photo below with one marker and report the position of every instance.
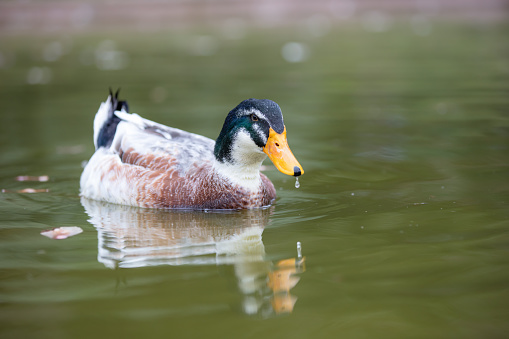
(108, 129)
(118, 104)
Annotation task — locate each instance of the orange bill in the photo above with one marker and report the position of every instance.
(279, 152)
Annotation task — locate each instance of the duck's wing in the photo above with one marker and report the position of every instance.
(167, 132)
(145, 143)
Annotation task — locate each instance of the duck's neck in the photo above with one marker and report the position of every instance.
(239, 160)
(242, 176)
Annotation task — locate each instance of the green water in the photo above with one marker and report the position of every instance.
(402, 212)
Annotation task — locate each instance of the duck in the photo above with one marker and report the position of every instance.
(138, 162)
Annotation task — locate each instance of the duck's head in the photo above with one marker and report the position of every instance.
(252, 130)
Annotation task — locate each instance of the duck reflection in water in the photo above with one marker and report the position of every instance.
(130, 237)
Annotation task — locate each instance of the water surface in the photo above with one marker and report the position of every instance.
(402, 212)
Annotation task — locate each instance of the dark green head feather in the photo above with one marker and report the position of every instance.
(255, 117)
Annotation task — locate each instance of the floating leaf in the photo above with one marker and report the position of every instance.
(62, 232)
(27, 190)
(42, 178)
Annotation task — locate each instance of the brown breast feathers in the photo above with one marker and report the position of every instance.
(157, 183)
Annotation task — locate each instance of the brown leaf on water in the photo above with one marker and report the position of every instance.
(62, 232)
(42, 178)
(27, 190)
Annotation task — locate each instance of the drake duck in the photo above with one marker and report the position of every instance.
(139, 162)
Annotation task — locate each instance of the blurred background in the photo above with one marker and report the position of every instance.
(330, 59)
(396, 109)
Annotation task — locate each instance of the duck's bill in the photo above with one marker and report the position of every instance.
(279, 152)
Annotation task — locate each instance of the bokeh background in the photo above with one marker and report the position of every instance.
(397, 110)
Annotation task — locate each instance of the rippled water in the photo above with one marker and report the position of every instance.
(402, 213)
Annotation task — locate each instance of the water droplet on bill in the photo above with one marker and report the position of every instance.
(297, 183)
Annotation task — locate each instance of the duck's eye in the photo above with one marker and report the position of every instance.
(253, 117)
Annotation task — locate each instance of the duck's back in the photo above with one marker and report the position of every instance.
(144, 143)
